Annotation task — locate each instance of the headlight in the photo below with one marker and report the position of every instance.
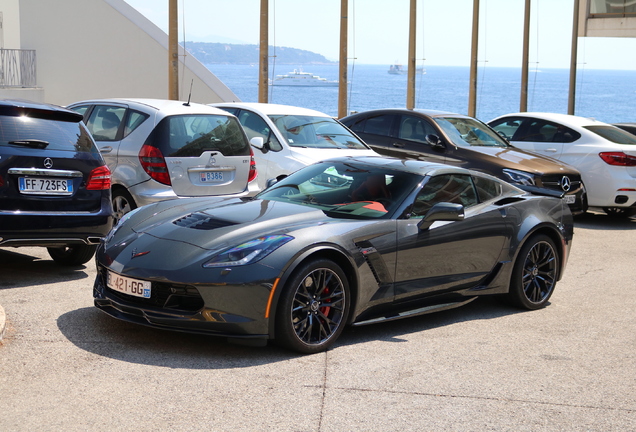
(521, 177)
(248, 252)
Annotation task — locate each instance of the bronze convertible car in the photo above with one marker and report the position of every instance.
(345, 241)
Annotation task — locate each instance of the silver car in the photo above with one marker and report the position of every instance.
(163, 149)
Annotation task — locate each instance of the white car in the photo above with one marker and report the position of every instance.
(288, 138)
(604, 154)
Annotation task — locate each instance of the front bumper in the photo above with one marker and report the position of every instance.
(225, 310)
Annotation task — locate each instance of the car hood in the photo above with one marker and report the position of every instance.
(522, 160)
(218, 224)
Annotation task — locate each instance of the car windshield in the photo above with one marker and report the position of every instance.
(613, 134)
(315, 132)
(467, 132)
(345, 189)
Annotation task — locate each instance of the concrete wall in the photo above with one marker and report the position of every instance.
(600, 26)
(104, 48)
(10, 24)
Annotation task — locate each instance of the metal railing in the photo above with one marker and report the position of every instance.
(17, 68)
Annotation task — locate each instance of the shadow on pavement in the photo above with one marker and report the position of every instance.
(22, 269)
(95, 332)
(601, 221)
(483, 308)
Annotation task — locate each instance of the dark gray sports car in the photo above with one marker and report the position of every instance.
(346, 241)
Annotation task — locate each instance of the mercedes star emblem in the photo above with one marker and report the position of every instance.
(566, 183)
(48, 163)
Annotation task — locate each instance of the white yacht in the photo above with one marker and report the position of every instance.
(302, 79)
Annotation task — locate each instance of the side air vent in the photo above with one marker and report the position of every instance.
(508, 200)
(201, 221)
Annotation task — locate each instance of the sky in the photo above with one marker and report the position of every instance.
(378, 30)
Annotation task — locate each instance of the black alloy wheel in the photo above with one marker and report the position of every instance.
(123, 202)
(313, 308)
(535, 273)
(619, 212)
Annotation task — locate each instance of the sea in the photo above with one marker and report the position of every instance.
(605, 95)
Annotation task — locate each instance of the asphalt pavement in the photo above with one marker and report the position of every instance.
(571, 366)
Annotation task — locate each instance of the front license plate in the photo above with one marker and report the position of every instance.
(569, 199)
(45, 186)
(211, 176)
(126, 285)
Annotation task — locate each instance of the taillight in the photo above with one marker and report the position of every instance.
(618, 158)
(253, 172)
(154, 164)
(99, 179)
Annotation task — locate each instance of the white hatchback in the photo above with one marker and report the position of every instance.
(604, 154)
(289, 138)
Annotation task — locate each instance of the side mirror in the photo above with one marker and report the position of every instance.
(443, 211)
(258, 142)
(271, 182)
(434, 141)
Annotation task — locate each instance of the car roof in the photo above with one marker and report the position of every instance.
(272, 109)
(423, 111)
(15, 107)
(165, 106)
(566, 119)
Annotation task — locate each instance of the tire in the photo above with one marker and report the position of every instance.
(123, 202)
(72, 255)
(535, 273)
(313, 308)
(619, 212)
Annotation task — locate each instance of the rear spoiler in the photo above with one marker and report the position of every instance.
(535, 190)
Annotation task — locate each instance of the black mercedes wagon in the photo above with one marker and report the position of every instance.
(54, 184)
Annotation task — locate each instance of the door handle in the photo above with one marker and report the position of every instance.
(398, 145)
(106, 149)
(550, 150)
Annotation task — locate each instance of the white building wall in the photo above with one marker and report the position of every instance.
(612, 25)
(10, 37)
(105, 48)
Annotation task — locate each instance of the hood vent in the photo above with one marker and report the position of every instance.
(201, 221)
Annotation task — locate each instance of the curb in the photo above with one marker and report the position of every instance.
(2, 322)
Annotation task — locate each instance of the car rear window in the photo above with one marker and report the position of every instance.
(613, 134)
(192, 135)
(60, 135)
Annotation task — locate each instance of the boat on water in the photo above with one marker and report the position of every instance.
(298, 78)
(398, 69)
